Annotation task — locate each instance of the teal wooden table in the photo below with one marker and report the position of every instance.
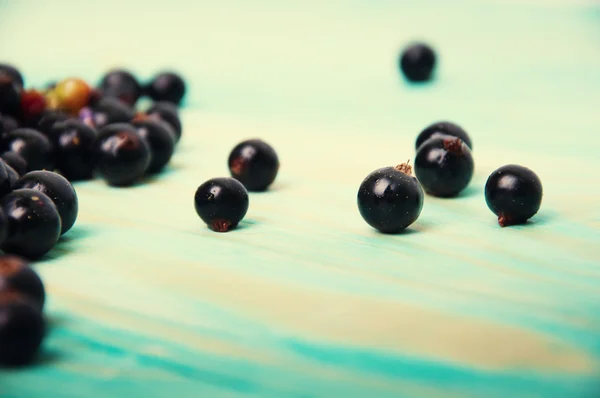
(305, 300)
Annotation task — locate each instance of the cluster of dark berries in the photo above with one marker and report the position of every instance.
(223, 202)
(390, 199)
(83, 132)
(22, 321)
(50, 138)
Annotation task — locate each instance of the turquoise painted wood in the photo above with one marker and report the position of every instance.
(305, 300)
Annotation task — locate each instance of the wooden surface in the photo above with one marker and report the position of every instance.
(305, 300)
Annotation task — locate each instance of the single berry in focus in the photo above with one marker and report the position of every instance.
(33, 223)
(443, 129)
(32, 146)
(17, 276)
(221, 203)
(122, 155)
(166, 86)
(254, 163)
(444, 166)
(57, 188)
(417, 62)
(513, 193)
(121, 84)
(161, 138)
(390, 199)
(169, 113)
(74, 147)
(13, 72)
(22, 330)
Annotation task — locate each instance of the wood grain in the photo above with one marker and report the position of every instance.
(304, 299)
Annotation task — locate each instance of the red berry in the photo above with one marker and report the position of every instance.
(33, 103)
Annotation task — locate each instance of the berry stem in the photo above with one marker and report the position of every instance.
(405, 168)
(503, 221)
(454, 145)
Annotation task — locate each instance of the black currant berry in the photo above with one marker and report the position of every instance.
(57, 188)
(417, 62)
(33, 223)
(443, 129)
(34, 147)
(107, 111)
(74, 147)
(13, 72)
(390, 199)
(15, 161)
(17, 276)
(161, 138)
(166, 86)
(121, 84)
(221, 203)
(444, 166)
(10, 96)
(122, 156)
(254, 163)
(513, 193)
(169, 113)
(22, 330)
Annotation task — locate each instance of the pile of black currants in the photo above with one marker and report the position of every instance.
(82, 132)
(49, 139)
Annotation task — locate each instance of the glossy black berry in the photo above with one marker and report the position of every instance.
(10, 96)
(390, 199)
(8, 123)
(169, 113)
(513, 193)
(121, 84)
(5, 178)
(221, 203)
(254, 163)
(74, 148)
(444, 166)
(13, 72)
(17, 276)
(443, 129)
(15, 161)
(417, 62)
(122, 156)
(166, 86)
(57, 188)
(32, 146)
(33, 223)
(107, 111)
(161, 138)
(22, 330)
